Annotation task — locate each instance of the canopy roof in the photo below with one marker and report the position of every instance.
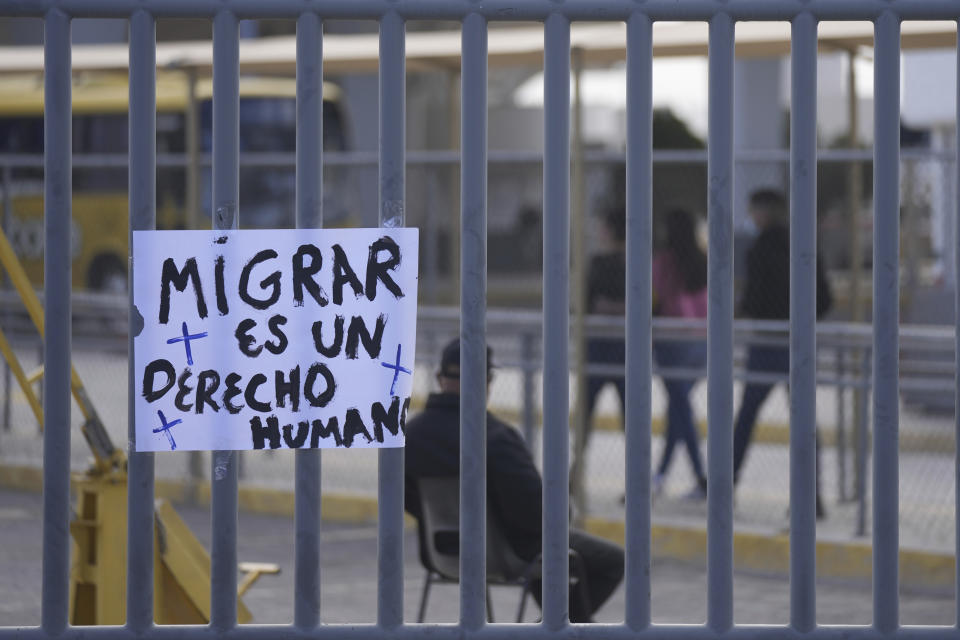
(601, 44)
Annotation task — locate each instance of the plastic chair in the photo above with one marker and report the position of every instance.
(439, 535)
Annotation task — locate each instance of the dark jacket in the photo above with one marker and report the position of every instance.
(606, 278)
(767, 292)
(513, 483)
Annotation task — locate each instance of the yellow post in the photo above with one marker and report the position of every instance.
(108, 458)
(181, 590)
(182, 573)
(98, 574)
(8, 258)
(22, 378)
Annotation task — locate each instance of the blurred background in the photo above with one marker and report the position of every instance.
(268, 136)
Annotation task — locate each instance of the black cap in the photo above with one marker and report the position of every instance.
(450, 360)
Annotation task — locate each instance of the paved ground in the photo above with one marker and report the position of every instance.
(349, 567)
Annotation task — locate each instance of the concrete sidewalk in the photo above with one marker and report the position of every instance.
(349, 579)
(760, 520)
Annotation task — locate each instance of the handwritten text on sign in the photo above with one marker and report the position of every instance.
(273, 339)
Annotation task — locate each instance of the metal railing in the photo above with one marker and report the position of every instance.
(99, 327)
(391, 14)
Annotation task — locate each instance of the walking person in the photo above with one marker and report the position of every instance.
(680, 283)
(767, 297)
(606, 295)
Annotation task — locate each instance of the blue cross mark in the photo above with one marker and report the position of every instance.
(396, 370)
(165, 427)
(185, 339)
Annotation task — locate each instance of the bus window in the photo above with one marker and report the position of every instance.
(100, 134)
(267, 194)
(268, 124)
(170, 137)
(334, 136)
(22, 134)
(100, 204)
(171, 180)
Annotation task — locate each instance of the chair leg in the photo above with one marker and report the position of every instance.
(524, 591)
(578, 571)
(421, 616)
(489, 606)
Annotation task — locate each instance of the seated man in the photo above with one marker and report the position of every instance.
(514, 492)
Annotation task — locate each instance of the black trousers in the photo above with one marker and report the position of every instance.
(602, 564)
(762, 359)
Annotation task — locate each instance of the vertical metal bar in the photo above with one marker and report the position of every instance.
(473, 338)
(309, 215)
(392, 182)
(556, 319)
(143, 215)
(956, 353)
(886, 319)
(56, 267)
(720, 326)
(803, 321)
(639, 313)
(226, 193)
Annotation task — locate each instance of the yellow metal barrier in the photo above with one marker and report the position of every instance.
(107, 457)
(99, 526)
(25, 381)
(181, 573)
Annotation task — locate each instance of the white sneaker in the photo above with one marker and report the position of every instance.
(697, 494)
(657, 484)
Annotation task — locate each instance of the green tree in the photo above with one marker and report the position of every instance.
(670, 132)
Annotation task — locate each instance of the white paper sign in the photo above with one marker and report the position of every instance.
(274, 339)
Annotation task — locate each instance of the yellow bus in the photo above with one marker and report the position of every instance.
(100, 133)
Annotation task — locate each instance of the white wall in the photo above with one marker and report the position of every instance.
(758, 124)
(929, 88)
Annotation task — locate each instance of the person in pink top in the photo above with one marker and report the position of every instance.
(680, 286)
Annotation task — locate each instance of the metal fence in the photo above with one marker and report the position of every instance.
(515, 226)
(722, 17)
(926, 443)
